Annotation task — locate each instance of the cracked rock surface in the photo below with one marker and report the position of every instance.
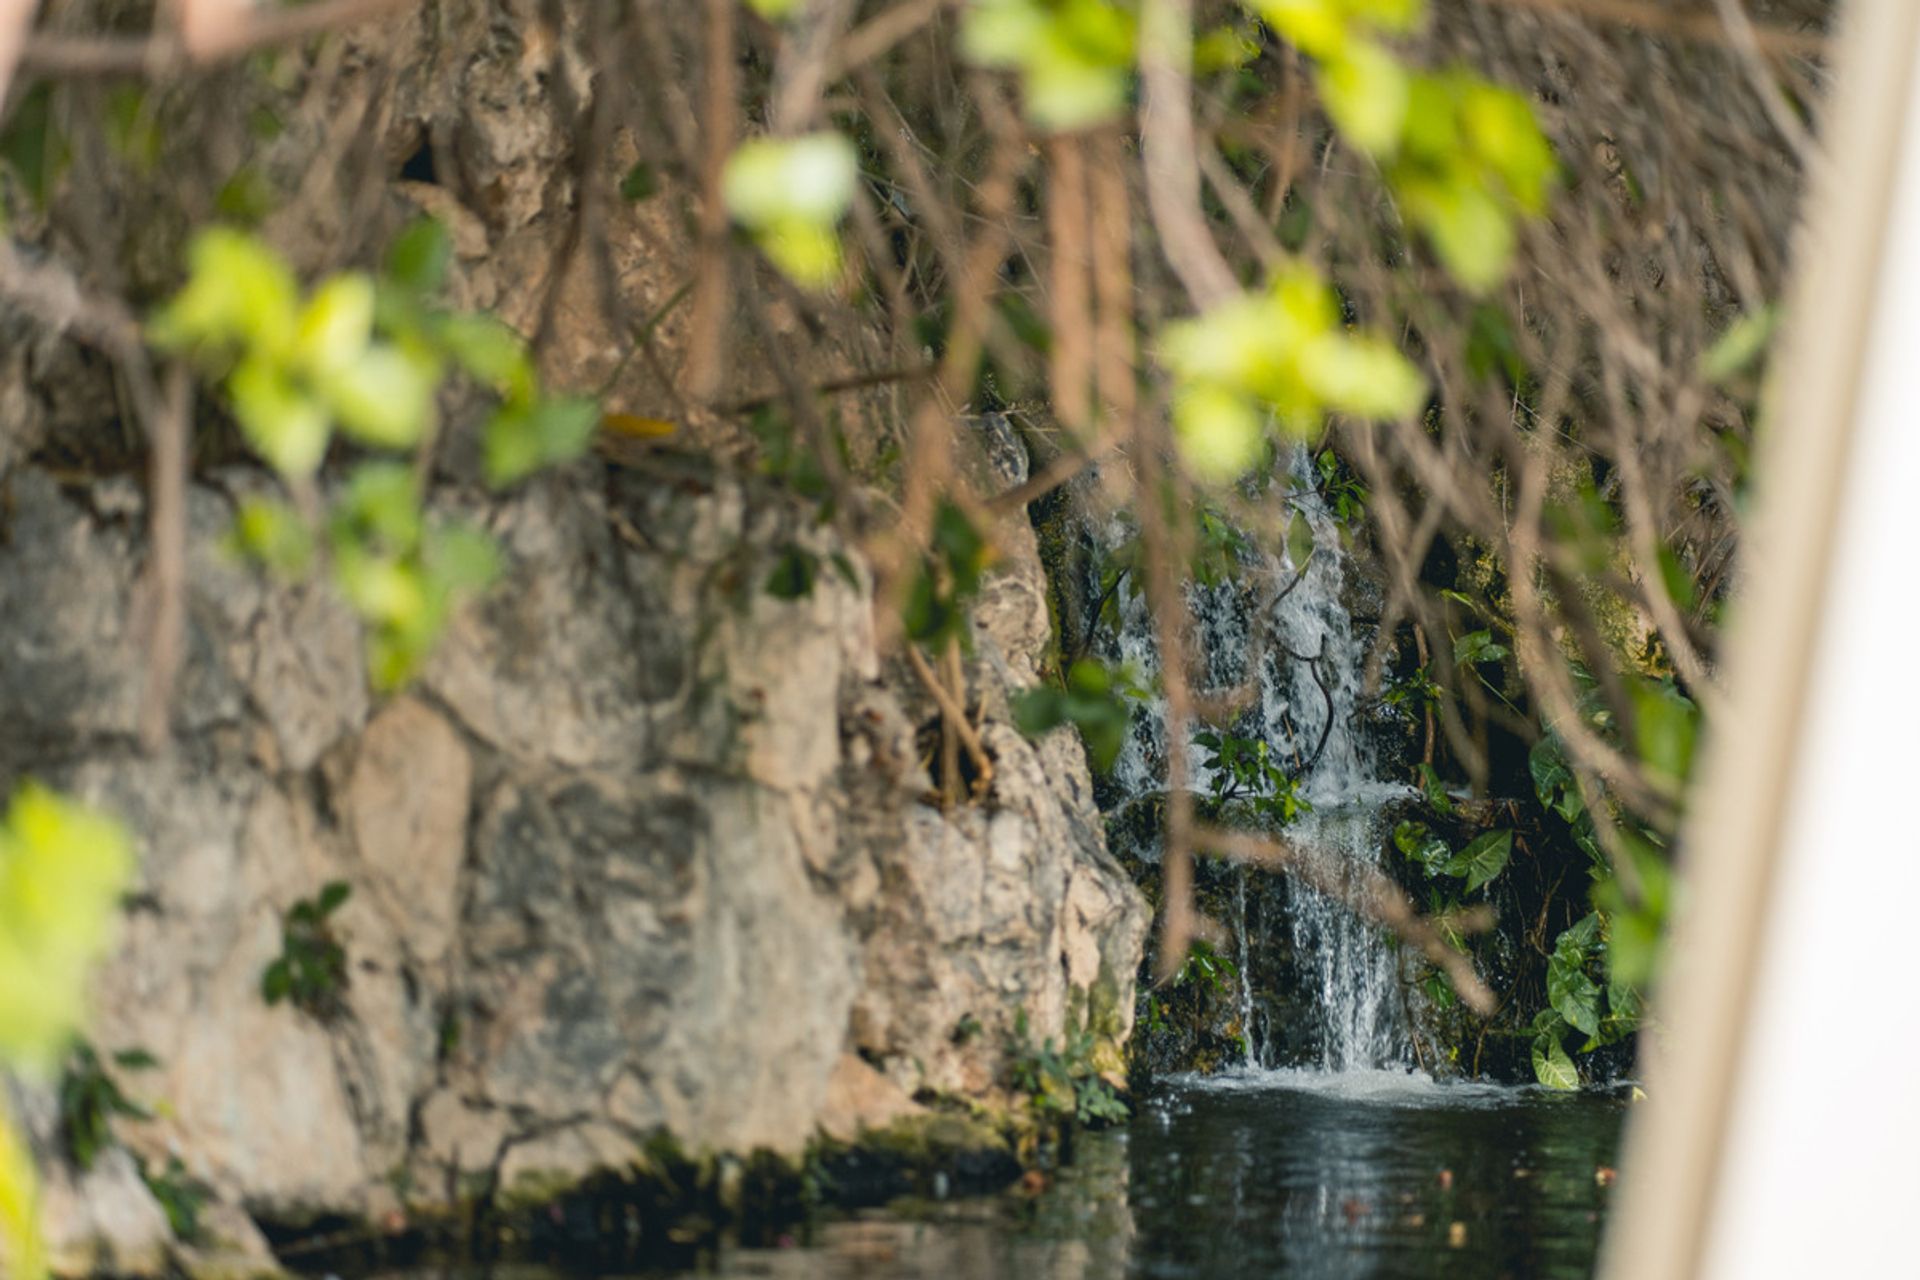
(645, 849)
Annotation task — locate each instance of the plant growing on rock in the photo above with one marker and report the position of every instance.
(1063, 1082)
(90, 1099)
(311, 970)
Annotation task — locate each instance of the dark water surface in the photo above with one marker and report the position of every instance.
(1267, 1174)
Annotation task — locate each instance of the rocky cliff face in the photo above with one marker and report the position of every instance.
(644, 851)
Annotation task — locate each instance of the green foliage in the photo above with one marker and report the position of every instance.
(790, 194)
(1551, 1065)
(32, 147)
(639, 183)
(1340, 489)
(1281, 355)
(311, 970)
(1466, 158)
(1484, 858)
(90, 1098)
(1074, 57)
(936, 609)
(1477, 647)
(1243, 769)
(1094, 700)
(402, 575)
(364, 359)
(1479, 863)
(1062, 1082)
(180, 1195)
(794, 572)
(1413, 693)
(63, 868)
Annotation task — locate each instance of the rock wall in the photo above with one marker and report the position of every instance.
(645, 850)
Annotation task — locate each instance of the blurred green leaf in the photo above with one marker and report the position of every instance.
(418, 258)
(385, 396)
(1366, 92)
(520, 439)
(1744, 342)
(281, 423)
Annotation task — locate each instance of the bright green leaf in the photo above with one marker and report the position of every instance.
(385, 397)
(281, 423)
(1472, 234)
(335, 327)
(1219, 433)
(1366, 93)
(1552, 1067)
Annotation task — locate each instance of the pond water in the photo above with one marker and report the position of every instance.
(1265, 1173)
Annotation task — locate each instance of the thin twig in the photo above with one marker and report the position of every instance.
(707, 330)
(952, 714)
(1658, 20)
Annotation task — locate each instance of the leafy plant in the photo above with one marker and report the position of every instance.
(790, 194)
(63, 868)
(937, 602)
(1074, 57)
(1340, 489)
(363, 359)
(1094, 700)
(90, 1098)
(1244, 769)
(1281, 355)
(1063, 1081)
(181, 1197)
(311, 970)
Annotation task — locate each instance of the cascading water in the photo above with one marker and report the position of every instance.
(1298, 641)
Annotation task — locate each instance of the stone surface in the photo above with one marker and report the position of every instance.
(646, 850)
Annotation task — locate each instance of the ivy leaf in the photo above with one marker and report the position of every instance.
(272, 534)
(1299, 540)
(1364, 377)
(1219, 433)
(460, 559)
(794, 574)
(520, 439)
(1483, 859)
(1666, 725)
(238, 291)
(1552, 1067)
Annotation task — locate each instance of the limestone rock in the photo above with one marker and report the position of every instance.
(860, 1099)
(645, 851)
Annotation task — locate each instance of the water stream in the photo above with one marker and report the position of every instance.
(1291, 637)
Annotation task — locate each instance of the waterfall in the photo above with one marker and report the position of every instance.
(1284, 627)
